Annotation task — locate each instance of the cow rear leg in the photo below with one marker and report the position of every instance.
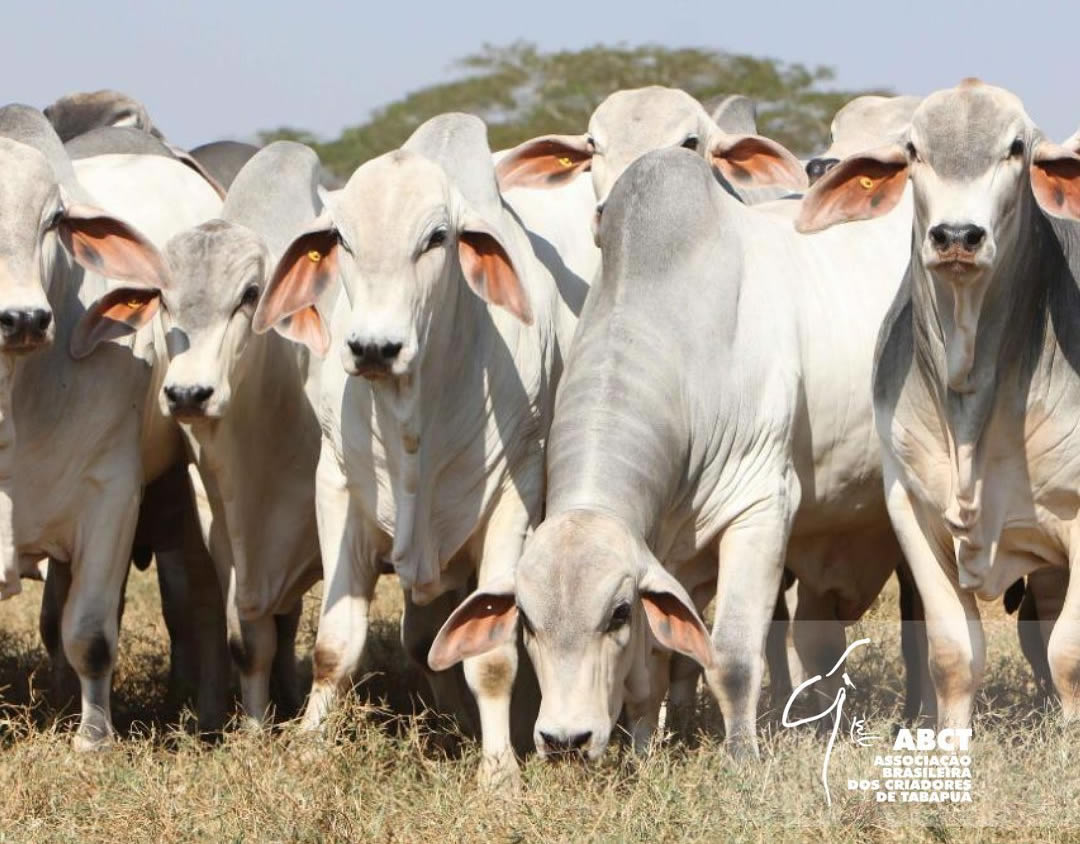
(63, 691)
(284, 684)
(819, 640)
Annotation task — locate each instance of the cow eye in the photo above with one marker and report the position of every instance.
(590, 142)
(620, 617)
(438, 238)
(1017, 148)
(911, 151)
(691, 143)
(251, 295)
(526, 625)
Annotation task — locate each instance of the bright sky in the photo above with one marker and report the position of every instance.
(225, 69)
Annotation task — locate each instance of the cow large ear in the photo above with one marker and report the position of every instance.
(484, 621)
(860, 187)
(110, 247)
(118, 313)
(544, 162)
(489, 270)
(674, 621)
(754, 161)
(308, 267)
(1055, 180)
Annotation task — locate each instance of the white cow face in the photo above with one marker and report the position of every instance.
(33, 211)
(218, 271)
(591, 599)
(975, 161)
(629, 124)
(403, 240)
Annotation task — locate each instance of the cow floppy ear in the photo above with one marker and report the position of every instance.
(119, 312)
(754, 161)
(489, 270)
(544, 162)
(484, 621)
(860, 187)
(308, 267)
(1055, 180)
(110, 247)
(674, 622)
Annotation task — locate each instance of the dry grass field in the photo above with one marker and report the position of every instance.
(383, 777)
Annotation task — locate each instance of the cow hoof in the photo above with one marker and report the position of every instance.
(742, 748)
(500, 774)
(92, 741)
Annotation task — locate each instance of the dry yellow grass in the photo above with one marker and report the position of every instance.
(383, 778)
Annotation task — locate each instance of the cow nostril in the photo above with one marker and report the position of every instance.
(356, 347)
(818, 167)
(575, 742)
(9, 320)
(579, 741)
(41, 319)
(973, 236)
(390, 351)
(172, 394)
(201, 394)
(940, 236)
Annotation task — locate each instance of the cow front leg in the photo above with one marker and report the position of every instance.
(491, 676)
(90, 622)
(350, 572)
(955, 640)
(252, 644)
(284, 684)
(751, 568)
(1063, 651)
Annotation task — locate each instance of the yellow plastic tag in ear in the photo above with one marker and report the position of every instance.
(314, 256)
(866, 182)
(134, 303)
(566, 162)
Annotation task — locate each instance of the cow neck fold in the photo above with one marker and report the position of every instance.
(434, 419)
(1009, 336)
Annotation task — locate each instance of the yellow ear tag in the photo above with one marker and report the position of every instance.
(134, 303)
(314, 256)
(566, 162)
(866, 182)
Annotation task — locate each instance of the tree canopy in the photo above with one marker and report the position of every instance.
(521, 92)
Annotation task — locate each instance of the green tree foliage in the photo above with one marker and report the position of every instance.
(521, 92)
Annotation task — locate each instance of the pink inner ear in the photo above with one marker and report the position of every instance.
(107, 246)
(544, 163)
(1056, 185)
(116, 314)
(858, 188)
(306, 326)
(491, 275)
(484, 622)
(752, 160)
(676, 627)
(308, 266)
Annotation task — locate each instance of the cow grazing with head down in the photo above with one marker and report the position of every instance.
(976, 372)
(680, 470)
(76, 456)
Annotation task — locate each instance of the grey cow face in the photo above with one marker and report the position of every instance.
(967, 151)
(30, 207)
(217, 272)
(591, 600)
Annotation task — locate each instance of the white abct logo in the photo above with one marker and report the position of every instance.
(948, 739)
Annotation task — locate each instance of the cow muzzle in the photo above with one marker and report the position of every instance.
(25, 329)
(188, 401)
(375, 359)
(956, 249)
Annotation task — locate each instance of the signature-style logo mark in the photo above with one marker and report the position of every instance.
(836, 709)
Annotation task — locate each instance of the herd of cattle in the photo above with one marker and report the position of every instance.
(567, 412)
